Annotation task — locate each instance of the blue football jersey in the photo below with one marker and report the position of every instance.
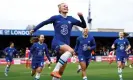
(10, 52)
(38, 51)
(62, 26)
(121, 45)
(82, 45)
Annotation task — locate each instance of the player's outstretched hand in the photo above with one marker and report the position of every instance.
(31, 32)
(80, 14)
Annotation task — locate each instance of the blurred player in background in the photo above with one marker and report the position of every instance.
(111, 56)
(122, 45)
(84, 46)
(38, 50)
(9, 52)
(62, 25)
(27, 54)
(93, 57)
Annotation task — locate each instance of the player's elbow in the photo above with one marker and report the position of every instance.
(129, 46)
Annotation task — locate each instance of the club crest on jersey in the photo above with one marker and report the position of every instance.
(69, 22)
(124, 42)
(88, 41)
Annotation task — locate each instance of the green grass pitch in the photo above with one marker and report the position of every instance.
(96, 71)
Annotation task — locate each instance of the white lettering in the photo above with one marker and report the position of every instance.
(19, 32)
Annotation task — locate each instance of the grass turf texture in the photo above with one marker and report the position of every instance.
(96, 71)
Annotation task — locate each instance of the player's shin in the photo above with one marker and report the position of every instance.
(63, 59)
(33, 72)
(83, 67)
(120, 73)
(37, 77)
(7, 68)
(38, 73)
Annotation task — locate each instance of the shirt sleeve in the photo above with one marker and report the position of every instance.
(77, 45)
(115, 42)
(48, 21)
(32, 49)
(81, 23)
(47, 53)
(127, 42)
(93, 44)
(5, 51)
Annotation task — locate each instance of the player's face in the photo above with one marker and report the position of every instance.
(41, 38)
(63, 8)
(121, 34)
(12, 45)
(85, 32)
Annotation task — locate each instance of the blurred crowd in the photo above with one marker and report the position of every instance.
(100, 51)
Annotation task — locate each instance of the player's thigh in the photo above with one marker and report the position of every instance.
(119, 61)
(65, 48)
(39, 69)
(83, 65)
(82, 62)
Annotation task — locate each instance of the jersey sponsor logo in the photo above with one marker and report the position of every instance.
(40, 53)
(85, 47)
(122, 47)
(64, 30)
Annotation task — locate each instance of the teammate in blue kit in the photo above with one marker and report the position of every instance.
(122, 45)
(9, 52)
(84, 46)
(37, 51)
(62, 25)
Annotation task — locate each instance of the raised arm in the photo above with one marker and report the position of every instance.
(81, 23)
(48, 21)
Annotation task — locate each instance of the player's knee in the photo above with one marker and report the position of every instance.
(119, 65)
(83, 68)
(39, 70)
